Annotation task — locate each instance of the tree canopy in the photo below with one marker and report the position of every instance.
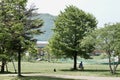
(107, 39)
(17, 27)
(71, 26)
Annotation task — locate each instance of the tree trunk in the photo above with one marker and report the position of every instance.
(3, 66)
(110, 66)
(49, 57)
(117, 64)
(6, 68)
(19, 63)
(14, 66)
(75, 61)
(113, 70)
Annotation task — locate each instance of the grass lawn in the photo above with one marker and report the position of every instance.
(61, 69)
(32, 78)
(64, 69)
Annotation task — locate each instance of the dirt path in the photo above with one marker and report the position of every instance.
(68, 76)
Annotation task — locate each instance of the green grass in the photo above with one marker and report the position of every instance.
(33, 78)
(6, 78)
(62, 69)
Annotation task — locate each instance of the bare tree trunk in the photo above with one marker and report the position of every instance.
(3, 65)
(19, 63)
(14, 66)
(6, 67)
(110, 66)
(114, 65)
(49, 57)
(117, 64)
(75, 61)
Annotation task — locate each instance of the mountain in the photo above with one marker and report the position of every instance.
(47, 27)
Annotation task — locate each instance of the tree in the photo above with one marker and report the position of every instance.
(107, 39)
(18, 22)
(3, 51)
(4, 35)
(71, 26)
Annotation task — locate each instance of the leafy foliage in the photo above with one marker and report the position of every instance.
(71, 26)
(16, 27)
(108, 39)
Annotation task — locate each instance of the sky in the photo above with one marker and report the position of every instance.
(105, 11)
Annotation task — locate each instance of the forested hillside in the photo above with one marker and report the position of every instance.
(48, 25)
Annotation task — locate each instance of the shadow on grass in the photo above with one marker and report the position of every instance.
(94, 71)
(108, 63)
(16, 72)
(89, 70)
(85, 70)
(31, 72)
(7, 72)
(41, 78)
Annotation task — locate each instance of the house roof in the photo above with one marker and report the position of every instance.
(41, 44)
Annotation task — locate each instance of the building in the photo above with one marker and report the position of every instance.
(40, 46)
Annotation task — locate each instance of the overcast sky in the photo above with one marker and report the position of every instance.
(105, 11)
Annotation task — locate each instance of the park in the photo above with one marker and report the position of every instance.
(38, 70)
(74, 48)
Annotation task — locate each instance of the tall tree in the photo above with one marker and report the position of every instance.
(107, 39)
(4, 35)
(20, 25)
(70, 27)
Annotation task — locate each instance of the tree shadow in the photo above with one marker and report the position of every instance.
(7, 72)
(41, 78)
(86, 70)
(31, 72)
(94, 71)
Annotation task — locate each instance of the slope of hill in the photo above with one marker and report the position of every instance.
(47, 27)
